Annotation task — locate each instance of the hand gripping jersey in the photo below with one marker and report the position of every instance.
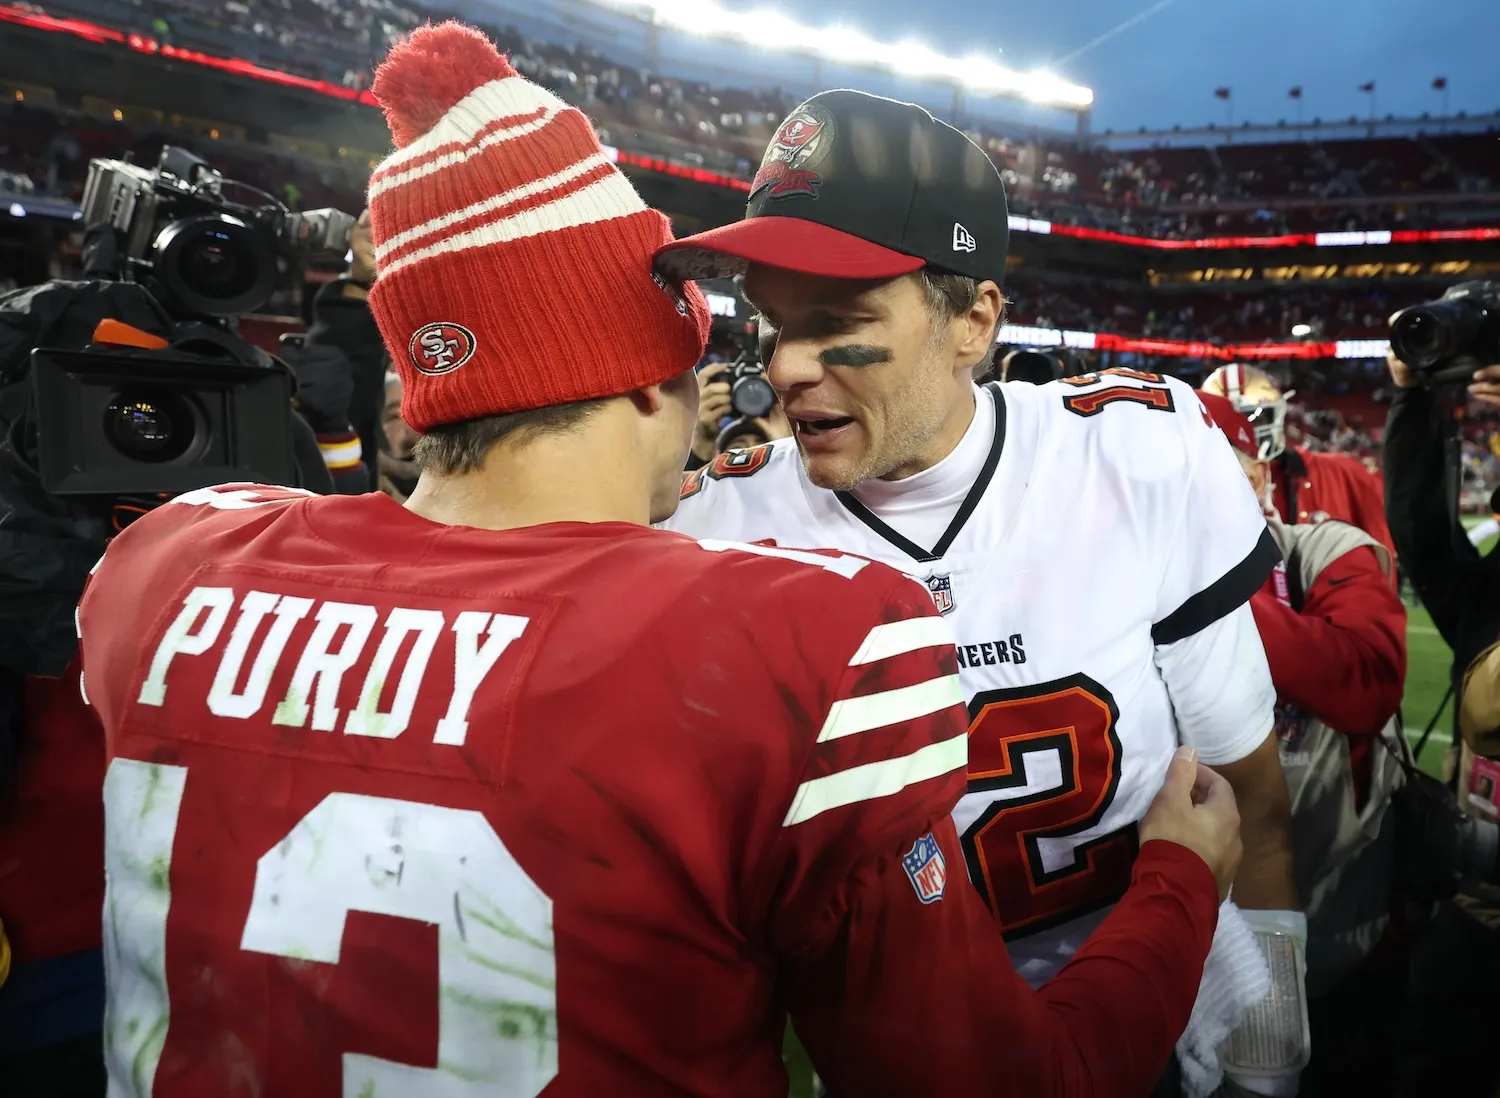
(492, 812)
(1110, 529)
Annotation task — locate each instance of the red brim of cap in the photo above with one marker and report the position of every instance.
(790, 243)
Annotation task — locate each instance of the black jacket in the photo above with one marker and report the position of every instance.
(346, 323)
(1460, 589)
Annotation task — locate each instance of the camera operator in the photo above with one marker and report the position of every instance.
(341, 320)
(1439, 353)
(115, 394)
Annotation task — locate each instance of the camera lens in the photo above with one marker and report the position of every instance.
(1418, 337)
(150, 427)
(752, 396)
(216, 265)
(213, 266)
(1425, 335)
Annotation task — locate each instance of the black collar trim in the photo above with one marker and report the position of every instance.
(971, 501)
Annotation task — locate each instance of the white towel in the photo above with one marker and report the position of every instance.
(1235, 977)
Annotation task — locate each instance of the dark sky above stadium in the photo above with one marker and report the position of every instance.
(1159, 72)
(1163, 71)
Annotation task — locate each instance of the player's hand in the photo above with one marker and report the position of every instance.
(1486, 385)
(1402, 374)
(713, 406)
(1196, 809)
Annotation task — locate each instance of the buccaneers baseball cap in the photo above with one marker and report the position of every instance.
(858, 186)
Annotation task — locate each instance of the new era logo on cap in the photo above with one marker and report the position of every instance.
(963, 240)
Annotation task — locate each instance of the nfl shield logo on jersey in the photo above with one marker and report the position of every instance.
(941, 590)
(925, 866)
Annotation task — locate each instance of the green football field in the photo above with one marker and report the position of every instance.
(1428, 661)
(1427, 665)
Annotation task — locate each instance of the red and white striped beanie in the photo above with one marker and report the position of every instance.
(514, 259)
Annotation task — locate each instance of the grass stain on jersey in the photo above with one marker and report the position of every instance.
(505, 926)
(289, 708)
(159, 875)
(148, 1054)
(375, 722)
(368, 1090)
(153, 787)
(512, 1021)
(546, 983)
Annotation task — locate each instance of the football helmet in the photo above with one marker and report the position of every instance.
(1256, 397)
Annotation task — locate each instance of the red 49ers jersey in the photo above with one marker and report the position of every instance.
(396, 808)
(1096, 573)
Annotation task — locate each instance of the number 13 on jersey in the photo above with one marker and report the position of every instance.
(1044, 766)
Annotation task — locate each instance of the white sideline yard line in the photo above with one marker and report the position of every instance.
(1438, 736)
(1428, 630)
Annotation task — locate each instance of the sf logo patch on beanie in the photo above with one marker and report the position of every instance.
(440, 348)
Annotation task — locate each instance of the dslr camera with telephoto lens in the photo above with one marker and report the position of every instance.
(750, 394)
(1446, 340)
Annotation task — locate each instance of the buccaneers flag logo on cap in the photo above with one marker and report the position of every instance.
(802, 143)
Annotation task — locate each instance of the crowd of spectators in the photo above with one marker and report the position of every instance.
(1173, 193)
(1343, 313)
(51, 149)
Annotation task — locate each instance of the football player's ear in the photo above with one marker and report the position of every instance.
(980, 324)
(681, 390)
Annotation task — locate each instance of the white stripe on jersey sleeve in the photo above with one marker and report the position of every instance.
(878, 779)
(888, 707)
(900, 637)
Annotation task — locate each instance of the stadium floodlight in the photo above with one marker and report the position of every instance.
(768, 29)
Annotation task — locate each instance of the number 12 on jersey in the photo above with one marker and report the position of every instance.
(1044, 761)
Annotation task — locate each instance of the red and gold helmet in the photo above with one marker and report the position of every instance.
(1259, 399)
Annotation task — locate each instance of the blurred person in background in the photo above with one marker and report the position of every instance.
(341, 319)
(398, 470)
(1489, 526)
(873, 246)
(1453, 1013)
(1305, 485)
(744, 433)
(717, 422)
(1335, 637)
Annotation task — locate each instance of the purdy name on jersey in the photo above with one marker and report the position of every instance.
(234, 625)
(1108, 519)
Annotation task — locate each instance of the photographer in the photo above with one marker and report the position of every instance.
(730, 403)
(1453, 1013)
(1460, 588)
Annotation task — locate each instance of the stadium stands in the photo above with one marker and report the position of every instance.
(1173, 193)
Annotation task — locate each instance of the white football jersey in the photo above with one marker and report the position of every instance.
(1108, 524)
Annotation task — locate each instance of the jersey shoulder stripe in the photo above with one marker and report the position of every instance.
(897, 717)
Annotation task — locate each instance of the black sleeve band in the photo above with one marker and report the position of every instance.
(1226, 594)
